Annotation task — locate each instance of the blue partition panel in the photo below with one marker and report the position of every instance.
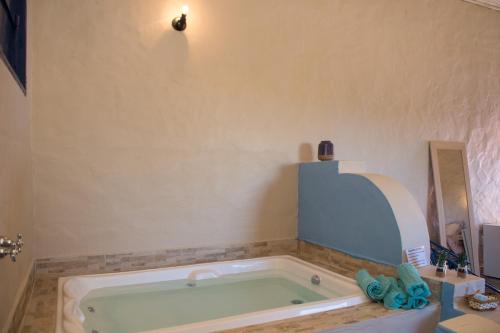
(348, 213)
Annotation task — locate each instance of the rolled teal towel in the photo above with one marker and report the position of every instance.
(416, 302)
(413, 283)
(395, 297)
(385, 285)
(372, 287)
(367, 283)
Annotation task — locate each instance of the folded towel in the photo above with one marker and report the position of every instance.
(395, 297)
(416, 302)
(372, 287)
(412, 282)
(385, 284)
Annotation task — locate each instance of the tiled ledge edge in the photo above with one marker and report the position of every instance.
(22, 303)
(123, 262)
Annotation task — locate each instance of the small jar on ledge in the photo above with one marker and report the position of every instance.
(325, 151)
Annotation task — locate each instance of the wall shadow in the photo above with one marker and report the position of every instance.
(277, 216)
(277, 212)
(170, 54)
(306, 152)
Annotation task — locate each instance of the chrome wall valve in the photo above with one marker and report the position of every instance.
(11, 248)
(19, 243)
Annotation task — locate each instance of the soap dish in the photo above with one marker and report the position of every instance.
(482, 302)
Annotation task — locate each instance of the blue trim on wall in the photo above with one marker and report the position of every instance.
(448, 310)
(13, 39)
(347, 212)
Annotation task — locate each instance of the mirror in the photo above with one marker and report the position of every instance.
(456, 230)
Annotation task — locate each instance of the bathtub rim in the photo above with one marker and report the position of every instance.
(358, 297)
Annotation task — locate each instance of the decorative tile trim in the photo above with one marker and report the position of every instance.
(40, 316)
(319, 322)
(123, 262)
(435, 287)
(22, 304)
(340, 262)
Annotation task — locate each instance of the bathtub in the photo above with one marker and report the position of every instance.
(201, 298)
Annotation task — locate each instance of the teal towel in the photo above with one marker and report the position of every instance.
(372, 287)
(385, 285)
(416, 302)
(413, 283)
(396, 297)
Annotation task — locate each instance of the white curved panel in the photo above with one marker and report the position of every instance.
(411, 221)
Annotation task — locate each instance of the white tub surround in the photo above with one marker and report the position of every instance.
(339, 291)
(469, 323)
(462, 286)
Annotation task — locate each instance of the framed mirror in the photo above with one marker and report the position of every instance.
(457, 229)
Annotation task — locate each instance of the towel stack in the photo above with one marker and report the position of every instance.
(373, 288)
(396, 297)
(413, 284)
(409, 292)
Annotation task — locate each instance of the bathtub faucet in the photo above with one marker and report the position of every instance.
(11, 248)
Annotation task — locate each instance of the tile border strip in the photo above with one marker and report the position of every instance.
(123, 262)
(21, 305)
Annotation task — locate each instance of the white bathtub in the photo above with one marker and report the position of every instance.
(337, 292)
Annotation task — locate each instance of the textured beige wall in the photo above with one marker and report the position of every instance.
(148, 138)
(15, 187)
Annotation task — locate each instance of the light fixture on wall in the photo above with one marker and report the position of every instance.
(179, 23)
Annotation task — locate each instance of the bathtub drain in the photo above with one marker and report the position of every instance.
(297, 301)
(91, 310)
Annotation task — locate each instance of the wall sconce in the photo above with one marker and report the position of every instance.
(179, 23)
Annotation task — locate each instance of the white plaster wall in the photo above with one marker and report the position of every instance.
(15, 188)
(493, 4)
(148, 138)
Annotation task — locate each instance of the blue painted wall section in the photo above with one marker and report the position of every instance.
(346, 212)
(448, 310)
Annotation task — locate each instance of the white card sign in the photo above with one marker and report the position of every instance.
(417, 257)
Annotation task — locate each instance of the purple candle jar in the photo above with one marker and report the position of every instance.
(325, 151)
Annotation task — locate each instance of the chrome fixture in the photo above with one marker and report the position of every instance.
(315, 279)
(11, 248)
(180, 23)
